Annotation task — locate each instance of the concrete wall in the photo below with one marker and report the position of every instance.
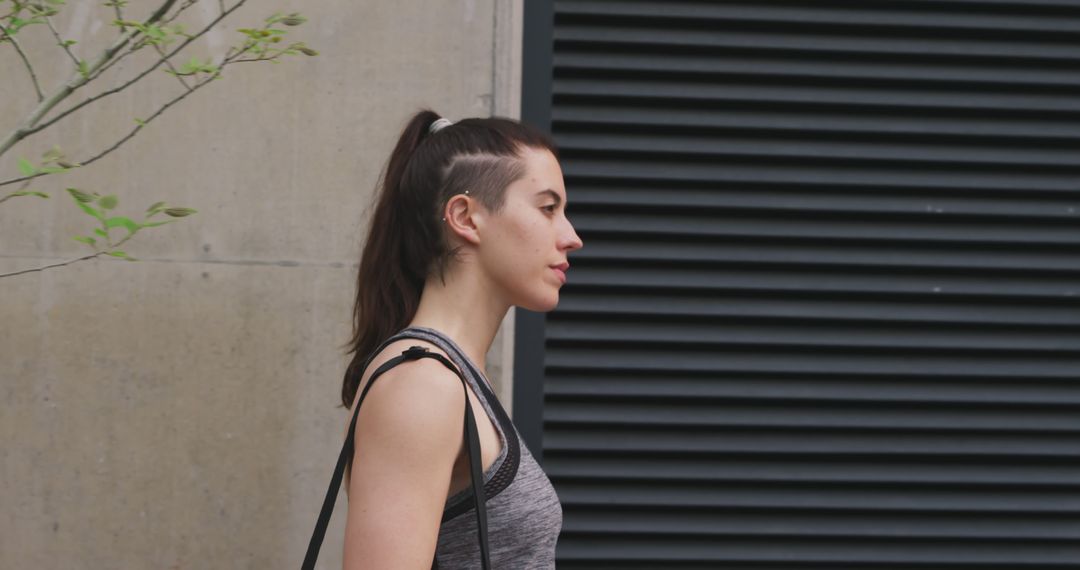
(180, 411)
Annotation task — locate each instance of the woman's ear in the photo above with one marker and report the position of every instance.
(463, 218)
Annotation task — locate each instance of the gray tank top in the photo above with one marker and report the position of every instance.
(523, 511)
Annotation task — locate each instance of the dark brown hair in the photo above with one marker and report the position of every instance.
(406, 238)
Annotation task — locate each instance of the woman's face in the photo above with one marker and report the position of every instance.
(530, 235)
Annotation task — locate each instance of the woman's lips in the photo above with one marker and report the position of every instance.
(560, 273)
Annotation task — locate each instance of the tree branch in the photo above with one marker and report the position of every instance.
(176, 73)
(68, 262)
(14, 273)
(77, 80)
(229, 59)
(31, 129)
(26, 62)
(15, 193)
(60, 41)
(187, 4)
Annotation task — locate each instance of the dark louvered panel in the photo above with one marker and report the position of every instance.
(827, 314)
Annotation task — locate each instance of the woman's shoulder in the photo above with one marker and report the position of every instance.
(423, 368)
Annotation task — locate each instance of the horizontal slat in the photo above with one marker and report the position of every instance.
(838, 552)
(792, 201)
(643, 169)
(826, 281)
(816, 41)
(796, 388)
(852, 151)
(750, 497)
(686, 412)
(1038, 19)
(920, 228)
(833, 443)
(598, 303)
(661, 246)
(831, 124)
(598, 518)
(859, 71)
(698, 338)
(821, 359)
(814, 469)
(798, 94)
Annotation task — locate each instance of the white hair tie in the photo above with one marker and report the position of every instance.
(439, 124)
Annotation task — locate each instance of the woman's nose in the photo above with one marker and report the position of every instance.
(575, 241)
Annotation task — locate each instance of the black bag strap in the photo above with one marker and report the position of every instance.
(472, 435)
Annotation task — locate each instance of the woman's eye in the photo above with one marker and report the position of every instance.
(550, 208)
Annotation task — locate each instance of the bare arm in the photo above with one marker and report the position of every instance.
(408, 435)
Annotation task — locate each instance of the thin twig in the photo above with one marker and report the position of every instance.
(176, 72)
(60, 41)
(13, 194)
(229, 59)
(187, 4)
(26, 62)
(14, 273)
(77, 80)
(133, 80)
(145, 122)
(70, 261)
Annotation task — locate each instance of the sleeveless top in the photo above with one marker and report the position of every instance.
(523, 511)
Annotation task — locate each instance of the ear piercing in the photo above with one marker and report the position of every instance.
(444, 219)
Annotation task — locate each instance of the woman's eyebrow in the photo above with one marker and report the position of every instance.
(554, 194)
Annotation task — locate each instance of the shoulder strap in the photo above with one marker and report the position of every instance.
(472, 436)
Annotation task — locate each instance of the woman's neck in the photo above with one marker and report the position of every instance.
(466, 308)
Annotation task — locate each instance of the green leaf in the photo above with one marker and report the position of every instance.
(179, 212)
(191, 66)
(118, 253)
(86, 240)
(101, 233)
(84, 68)
(53, 154)
(67, 43)
(90, 210)
(156, 224)
(51, 169)
(141, 122)
(293, 19)
(30, 193)
(108, 202)
(79, 195)
(26, 167)
(120, 221)
(155, 206)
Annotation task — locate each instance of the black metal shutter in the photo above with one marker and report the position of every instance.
(827, 314)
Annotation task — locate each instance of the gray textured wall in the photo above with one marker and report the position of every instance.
(179, 412)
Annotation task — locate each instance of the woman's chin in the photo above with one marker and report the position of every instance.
(542, 305)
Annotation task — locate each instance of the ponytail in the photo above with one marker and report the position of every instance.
(406, 240)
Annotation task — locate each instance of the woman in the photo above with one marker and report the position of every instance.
(470, 220)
